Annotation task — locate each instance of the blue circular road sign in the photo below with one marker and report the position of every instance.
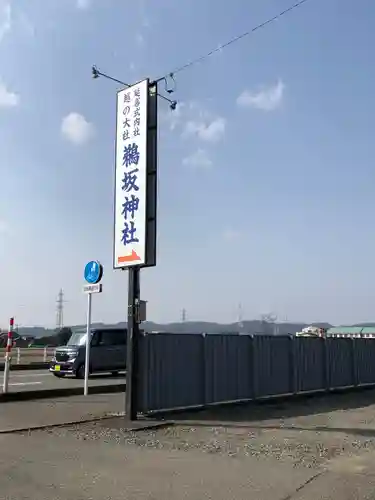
(93, 272)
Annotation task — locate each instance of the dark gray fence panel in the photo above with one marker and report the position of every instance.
(365, 360)
(172, 371)
(309, 364)
(340, 362)
(144, 389)
(228, 363)
(187, 370)
(273, 365)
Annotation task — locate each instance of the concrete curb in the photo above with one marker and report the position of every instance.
(60, 393)
(129, 426)
(29, 366)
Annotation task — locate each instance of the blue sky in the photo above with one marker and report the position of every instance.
(266, 168)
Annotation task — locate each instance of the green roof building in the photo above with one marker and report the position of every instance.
(351, 331)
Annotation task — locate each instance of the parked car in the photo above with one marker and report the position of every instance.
(107, 353)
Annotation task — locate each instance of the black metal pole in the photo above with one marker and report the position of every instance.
(132, 344)
(132, 374)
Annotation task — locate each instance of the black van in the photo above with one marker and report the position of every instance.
(107, 353)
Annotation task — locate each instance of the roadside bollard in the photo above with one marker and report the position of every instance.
(18, 355)
(45, 355)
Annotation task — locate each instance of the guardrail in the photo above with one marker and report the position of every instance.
(26, 355)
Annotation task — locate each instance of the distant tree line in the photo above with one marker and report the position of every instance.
(61, 337)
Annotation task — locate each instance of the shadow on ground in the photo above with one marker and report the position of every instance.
(98, 376)
(365, 433)
(273, 410)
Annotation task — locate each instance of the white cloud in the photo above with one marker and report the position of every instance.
(76, 128)
(231, 234)
(83, 4)
(140, 39)
(5, 18)
(267, 98)
(173, 118)
(13, 20)
(192, 119)
(8, 99)
(26, 25)
(199, 158)
(206, 130)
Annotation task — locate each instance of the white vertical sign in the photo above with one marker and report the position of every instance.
(130, 225)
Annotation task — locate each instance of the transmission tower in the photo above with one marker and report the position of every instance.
(240, 318)
(60, 310)
(183, 315)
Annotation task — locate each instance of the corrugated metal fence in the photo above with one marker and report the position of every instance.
(188, 370)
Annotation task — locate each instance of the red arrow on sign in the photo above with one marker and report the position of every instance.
(128, 258)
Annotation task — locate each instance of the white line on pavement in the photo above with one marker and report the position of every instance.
(26, 383)
(29, 374)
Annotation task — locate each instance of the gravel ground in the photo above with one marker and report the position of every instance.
(311, 433)
(306, 448)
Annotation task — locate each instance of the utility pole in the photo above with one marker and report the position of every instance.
(183, 315)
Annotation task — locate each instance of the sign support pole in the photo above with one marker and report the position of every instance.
(134, 298)
(136, 145)
(93, 274)
(88, 344)
(132, 344)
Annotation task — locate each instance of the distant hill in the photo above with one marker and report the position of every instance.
(255, 327)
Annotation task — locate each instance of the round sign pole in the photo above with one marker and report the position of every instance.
(88, 344)
(93, 273)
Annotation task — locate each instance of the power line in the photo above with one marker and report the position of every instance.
(170, 89)
(205, 56)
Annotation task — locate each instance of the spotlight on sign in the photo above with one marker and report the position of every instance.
(95, 72)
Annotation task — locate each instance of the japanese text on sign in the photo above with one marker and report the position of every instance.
(131, 176)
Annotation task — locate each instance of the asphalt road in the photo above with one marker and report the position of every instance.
(56, 411)
(35, 380)
(323, 448)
